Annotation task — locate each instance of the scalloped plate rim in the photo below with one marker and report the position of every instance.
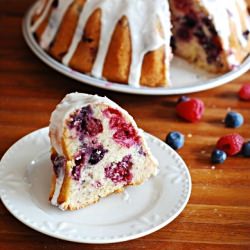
(105, 241)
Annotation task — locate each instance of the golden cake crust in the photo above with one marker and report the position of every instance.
(118, 59)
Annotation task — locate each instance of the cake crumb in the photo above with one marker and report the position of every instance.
(203, 152)
(189, 135)
(229, 109)
(213, 167)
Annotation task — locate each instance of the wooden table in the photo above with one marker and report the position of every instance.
(218, 213)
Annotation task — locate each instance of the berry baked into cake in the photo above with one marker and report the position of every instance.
(97, 149)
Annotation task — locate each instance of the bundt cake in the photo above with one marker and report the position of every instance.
(97, 150)
(128, 41)
(212, 34)
(125, 41)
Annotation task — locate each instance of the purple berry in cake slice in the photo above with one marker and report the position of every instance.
(104, 149)
(246, 34)
(58, 163)
(84, 122)
(97, 155)
(79, 164)
(55, 3)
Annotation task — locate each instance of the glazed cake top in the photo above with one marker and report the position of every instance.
(143, 17)
(69, 104)
(223, 14)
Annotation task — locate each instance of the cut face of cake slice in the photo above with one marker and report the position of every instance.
(212, 34)
(97, 150)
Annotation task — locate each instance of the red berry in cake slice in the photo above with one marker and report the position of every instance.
(103, 151)
(230, 144)
(191, 110)
(121, 171)
(244, 93)
(183, 5)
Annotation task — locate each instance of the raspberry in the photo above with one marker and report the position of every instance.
(183, 5)
(244, 93)
(191, 110)
(230, 144)
(121, 171)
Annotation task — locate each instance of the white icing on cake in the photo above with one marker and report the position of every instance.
(54, 23)
(43, 16)
(40, 6)
(224, 12)
(69, 105)
(58, 185)
(142, 15)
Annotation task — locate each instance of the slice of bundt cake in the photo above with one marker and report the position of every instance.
(125, 41)
(97, 150)
(212, 34)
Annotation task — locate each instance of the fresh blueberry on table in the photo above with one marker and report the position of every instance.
(175, 140)
(218, 156)
(246, 149)
(183, 99)
(234, 120)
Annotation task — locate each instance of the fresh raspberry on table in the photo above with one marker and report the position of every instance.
(191, 110)
(244, 93)
(230, 144)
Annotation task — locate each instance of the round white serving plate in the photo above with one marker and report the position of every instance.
(25, 174)
(185, 77)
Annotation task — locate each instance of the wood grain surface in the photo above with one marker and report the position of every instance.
(218, 213)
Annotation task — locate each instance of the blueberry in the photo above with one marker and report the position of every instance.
(218, 156)
(246, 149)
(234, 120)
(97, 155)
(175, 140)
(183, 99)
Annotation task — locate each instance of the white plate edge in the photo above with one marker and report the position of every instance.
(128, 238)
(42, 55)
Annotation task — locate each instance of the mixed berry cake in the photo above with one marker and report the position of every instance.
(211, 34)
(125, 41)
(97, 149)
(131, 41)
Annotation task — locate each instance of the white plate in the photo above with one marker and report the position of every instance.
(25, 173)
(185, 78)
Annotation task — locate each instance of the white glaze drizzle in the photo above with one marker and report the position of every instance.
(40, 7)
(222, 13)
(42, 17)
(58, 185)
(54, 23)
(142, 17)
(69, 104)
